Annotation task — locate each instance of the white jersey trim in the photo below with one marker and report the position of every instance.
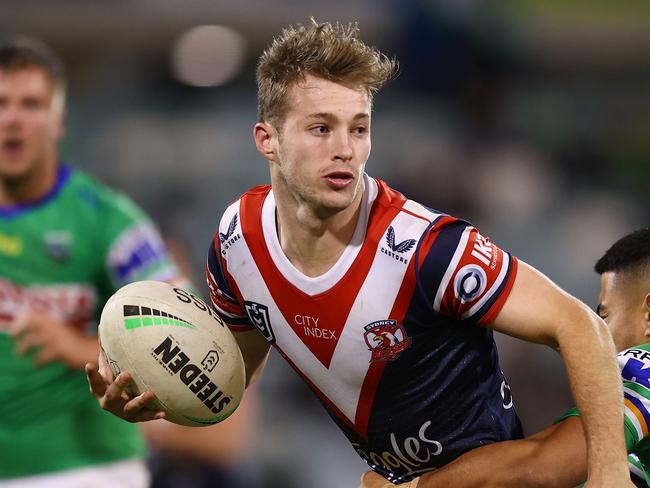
(319, 284)
(460, 249)
(505, 266)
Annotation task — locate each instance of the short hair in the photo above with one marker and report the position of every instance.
(629, 255)
(23, 53)
(330, 51)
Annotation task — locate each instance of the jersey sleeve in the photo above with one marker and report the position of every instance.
(634, 364)
(223, 291)
(637, 470)
(135, 250)
(462, 273)
(631, 435)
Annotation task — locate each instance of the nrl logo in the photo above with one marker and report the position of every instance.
(386, 339)
(210, 360)
(259, 315)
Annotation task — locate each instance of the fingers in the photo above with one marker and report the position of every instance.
(136, 409)
(115, 393)
(96, 382)
(26, 341)
(46, 355)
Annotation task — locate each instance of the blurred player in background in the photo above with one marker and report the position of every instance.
(205, 457)
(557, 456)
(384, 307)
(66, 244)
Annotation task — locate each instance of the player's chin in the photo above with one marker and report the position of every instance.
(337, 200)
(15, 169)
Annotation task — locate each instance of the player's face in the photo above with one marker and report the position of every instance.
(324, 144)
(30, 122)
(624, 309)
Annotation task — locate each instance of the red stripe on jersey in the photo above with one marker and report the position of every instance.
(491, 314)
(479, 254)
(400, 307)
(320, 319)
(376, 369)
(233, 308)
(328, 403)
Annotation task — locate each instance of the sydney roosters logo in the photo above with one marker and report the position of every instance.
(396, 251)
(386, 339)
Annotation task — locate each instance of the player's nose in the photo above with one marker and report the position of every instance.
(10, 116)
(343, 147)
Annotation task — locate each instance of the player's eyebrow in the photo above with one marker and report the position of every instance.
(329, 116)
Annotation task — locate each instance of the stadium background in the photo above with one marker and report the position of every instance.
(531, 119)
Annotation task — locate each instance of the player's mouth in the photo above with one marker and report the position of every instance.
(338, 180)
(12, 147)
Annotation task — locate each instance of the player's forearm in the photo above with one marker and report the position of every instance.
(552, 458)
(590, 359)
(498, 465)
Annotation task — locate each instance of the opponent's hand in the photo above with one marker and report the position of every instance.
(52, 340)
(374, 480)
(112, 394)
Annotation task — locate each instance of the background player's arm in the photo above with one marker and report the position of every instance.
(537, 310)
(52, 340)
(255, 350)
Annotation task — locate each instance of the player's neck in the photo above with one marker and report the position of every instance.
(32, 186)
(312, 243)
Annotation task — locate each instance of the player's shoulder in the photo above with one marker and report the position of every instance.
(96, 196)
(425, 220)
(231, 216)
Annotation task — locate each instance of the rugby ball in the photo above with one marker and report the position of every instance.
(172, 343)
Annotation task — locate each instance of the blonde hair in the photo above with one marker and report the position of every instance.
(328, 51)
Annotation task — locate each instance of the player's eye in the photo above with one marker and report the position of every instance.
(32, 103)
(361, 130)
(319, 130)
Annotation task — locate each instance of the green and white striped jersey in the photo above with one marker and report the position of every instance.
(66, 254)
(634, 364)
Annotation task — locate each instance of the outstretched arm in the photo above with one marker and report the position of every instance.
(255, 351)
(538, 311)
(553, 458)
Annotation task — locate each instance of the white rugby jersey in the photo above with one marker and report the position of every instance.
(388, 337)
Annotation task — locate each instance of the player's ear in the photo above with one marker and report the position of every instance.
(265, 137)
(646, 314)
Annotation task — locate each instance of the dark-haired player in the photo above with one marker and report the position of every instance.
(66, 244)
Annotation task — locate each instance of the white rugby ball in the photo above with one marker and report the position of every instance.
(171, 342)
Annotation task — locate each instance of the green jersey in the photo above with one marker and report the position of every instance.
(66, 254)
(635, 370)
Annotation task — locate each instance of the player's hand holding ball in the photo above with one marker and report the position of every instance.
(159, 338)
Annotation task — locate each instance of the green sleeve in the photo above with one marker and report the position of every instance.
(631, 439)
